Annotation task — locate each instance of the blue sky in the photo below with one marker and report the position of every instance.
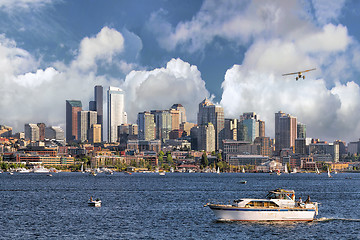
(165, 52)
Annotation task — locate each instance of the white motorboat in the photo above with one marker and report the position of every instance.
(243, 181)
(40, 169)
(94, 203)
(162, 173)
(279, 205)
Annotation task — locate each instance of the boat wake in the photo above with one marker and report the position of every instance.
(324, 219)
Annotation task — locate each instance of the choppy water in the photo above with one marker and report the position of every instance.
(149, 206)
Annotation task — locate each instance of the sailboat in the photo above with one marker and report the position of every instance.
(243, 170)
(316, 169)
(329, 175)
(218, 170)
(286, 169)
(82, 168)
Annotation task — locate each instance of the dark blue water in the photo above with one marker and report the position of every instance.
(149, 206)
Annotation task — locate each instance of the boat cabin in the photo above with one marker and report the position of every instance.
(281, 194)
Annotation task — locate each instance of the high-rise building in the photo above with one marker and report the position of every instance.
(31, 132)
(85, 121)
(285, 131)
(54, 133)
(186, 127)
(95, 133)
(181, 109)
(253, 124)
(206, 138)
(116, 112)
(301, 130)
(175, 119)
(230, 129)
(99, 107)
(163, 123)
(5, 131)
(146, 126)
(209, 113)
(72, 109)
(41, 131)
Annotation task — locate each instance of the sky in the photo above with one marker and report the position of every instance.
(162, 52)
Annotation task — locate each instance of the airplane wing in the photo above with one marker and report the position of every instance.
(290, 73)
(309, 70)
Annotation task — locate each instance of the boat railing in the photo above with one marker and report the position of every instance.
(219, 202)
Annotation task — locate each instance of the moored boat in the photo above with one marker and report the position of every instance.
(279, 205)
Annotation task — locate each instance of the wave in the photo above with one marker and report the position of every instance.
(324, 219)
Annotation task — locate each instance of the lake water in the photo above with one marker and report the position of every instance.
(149, 206)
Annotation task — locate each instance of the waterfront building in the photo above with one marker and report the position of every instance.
(54, 132)
(72, 109)
(116, 112)
(230, 129)
(31, 132)
(242, 160)
(321, 149)
(182, 112)
(285, 131)
(232, 147)
(146, 126)
(210, 113)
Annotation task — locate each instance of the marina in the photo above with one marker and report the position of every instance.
(149, 206)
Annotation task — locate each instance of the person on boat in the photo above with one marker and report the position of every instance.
(300, 202)
(91, 199)
(308, 199)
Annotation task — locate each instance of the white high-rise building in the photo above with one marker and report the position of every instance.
(116, 112)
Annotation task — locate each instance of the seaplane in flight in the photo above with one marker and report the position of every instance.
(299, 74)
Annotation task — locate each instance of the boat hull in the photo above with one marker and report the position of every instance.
(229, 213)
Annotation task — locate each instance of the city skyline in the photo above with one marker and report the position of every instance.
(168, 53)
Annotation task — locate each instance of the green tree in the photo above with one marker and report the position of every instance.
(204, 160)
(169, 159)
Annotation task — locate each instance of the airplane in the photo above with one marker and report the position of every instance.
(300, 74)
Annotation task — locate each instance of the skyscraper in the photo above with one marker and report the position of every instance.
(230, 129)
(301, 130)
(85, 121)
(41, 131)
(146, 126)
(72, 108)
(208, 112)
(99, 107)
(206, 138)
(285, 131)
(255, 127)
(116, 112)
(182, 112)
(163, 123)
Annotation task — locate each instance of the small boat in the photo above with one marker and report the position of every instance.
(278, 205)
(49, 175)
(93, 173)
(243, 181)
(162, 173)
(94, 203)
(243, 170)
(11, 173)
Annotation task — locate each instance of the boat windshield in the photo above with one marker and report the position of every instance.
(281, 194)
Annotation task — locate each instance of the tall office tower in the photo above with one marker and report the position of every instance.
(182, 115)
(31, 132)
(301, 130)
(54, 133)
(261, 128)
(206, 138)
(99, 107)
(252, 123)
(41, 131)
(85, 121)
(265, 146)
(208, 112)
(230, 129)
(163, 123)
(72, 108)
(116, 111)
(285, 131)
(175, 119)
(146, 126)
(242, 132)
(95, 133)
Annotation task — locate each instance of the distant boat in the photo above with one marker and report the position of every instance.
(218, 170)
(94, 203)
(316, 169)
(50, 175)
(286, 169)
(82, 168)
(335, 172)
(162, 173)
(40, 169)
(243, 181)
(243, 170)
(294, 170)
(329, 175)
(93, 173)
